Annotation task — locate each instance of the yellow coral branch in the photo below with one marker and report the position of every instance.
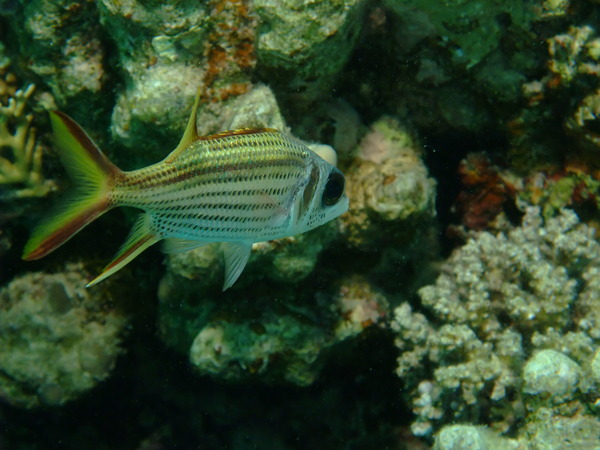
(20, 155)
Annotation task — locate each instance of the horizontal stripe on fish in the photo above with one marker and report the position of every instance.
(176, 177)
(236, 187)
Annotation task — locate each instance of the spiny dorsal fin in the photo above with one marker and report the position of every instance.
(189, 135)
(238, 132)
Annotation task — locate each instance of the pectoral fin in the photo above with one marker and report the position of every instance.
(236, 256)
(140, 238)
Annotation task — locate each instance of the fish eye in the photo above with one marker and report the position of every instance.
(334, 188)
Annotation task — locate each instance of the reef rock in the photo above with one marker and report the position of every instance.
(307, 44)
(57, 338)
(274, 333)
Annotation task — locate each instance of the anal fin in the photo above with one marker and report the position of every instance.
(140, 238)
(236, 256)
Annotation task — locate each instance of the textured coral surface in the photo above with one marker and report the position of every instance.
(497, 299)
(57, 339)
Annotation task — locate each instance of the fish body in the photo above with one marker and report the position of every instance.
(237, 187)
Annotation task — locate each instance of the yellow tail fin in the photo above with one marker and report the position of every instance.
(93, 177)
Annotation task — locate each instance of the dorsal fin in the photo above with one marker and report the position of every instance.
(189, 135)
(237, 132)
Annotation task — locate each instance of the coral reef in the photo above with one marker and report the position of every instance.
(455, 23)
(574, 53)
(571, 78)
(497, 299)
(20, 154)
(388, 183)
(286, 260)
(57, 338)
(62, 46)
(167, 49)
(306, 47)
(491, 193)
(452, 67)
(573, 187)
(160, 52)
(256, 108)
(546, 429)
(502, 351)
(551, 377)
(392, 205)
(276, 341)
(583, 124)
(471, 437)
(486, 192)
(23, 185)
(555, 393)
(229, 50)
(265, 338)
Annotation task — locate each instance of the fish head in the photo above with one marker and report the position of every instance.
(321, 198)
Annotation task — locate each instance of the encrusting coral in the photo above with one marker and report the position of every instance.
(388, 183)
(20, 154)
(392, 205)
(498, 299)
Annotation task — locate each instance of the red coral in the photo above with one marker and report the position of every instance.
(484, 192)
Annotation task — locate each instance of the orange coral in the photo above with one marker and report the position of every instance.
(230, 50)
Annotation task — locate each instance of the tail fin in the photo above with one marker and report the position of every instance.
(93, 176)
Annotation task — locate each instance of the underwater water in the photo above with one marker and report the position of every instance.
(412, 261)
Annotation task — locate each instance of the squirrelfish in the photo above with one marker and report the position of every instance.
(236, 187)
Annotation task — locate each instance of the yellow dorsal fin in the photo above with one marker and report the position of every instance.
(189, 135)
(238, 132)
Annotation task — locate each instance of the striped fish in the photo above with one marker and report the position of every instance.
(237, 187)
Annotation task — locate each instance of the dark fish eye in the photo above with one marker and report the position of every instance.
(334, 188)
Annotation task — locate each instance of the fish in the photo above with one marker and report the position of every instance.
(236, 188)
